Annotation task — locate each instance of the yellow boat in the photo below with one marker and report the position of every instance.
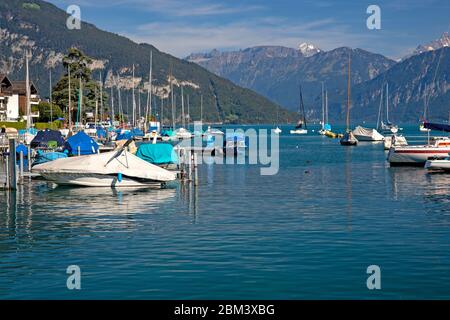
(332, 135)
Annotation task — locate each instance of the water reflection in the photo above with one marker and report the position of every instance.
(40, 213)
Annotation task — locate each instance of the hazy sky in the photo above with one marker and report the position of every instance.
(180, 27)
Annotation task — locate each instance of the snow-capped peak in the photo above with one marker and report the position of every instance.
(308, 49)
(443, 41)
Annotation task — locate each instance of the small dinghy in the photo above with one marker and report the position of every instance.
(438, 164)
(348, 139)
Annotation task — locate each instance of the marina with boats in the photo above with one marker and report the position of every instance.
(276, 171)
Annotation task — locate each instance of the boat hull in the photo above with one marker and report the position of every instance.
(299, 131)
(98, 180)
(438, 165)
(415, 156)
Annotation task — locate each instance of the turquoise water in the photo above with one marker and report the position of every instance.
(308, 232)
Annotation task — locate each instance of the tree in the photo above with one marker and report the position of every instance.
(47, 111)
(78, 63)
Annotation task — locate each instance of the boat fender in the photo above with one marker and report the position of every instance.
(119, 177)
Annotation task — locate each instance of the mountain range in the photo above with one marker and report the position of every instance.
(40, 27)
(277, 71)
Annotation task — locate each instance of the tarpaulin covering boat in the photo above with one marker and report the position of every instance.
(110, 169)
(42, 138)
(159, 153)
(81, 143)
(44, 157)
(367, 134)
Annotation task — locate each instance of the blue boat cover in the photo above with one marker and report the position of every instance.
(327, 127)
(87, 144)
(124, 136)
(43, 157)
(44, 136)
(22, 148)
(137, 132)
(159, 153)
(101, 133)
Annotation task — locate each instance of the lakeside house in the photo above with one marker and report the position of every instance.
(13, 99)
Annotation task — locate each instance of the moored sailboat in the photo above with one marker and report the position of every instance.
(301, 127)
(348, 138)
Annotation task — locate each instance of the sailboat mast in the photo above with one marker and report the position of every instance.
(348, 94)
(380, 108)
(161, 117)
(326, 106)
(302, 107)
(387, 103)
(201, 108)
(148, 111)
(27, 83)
(80, 99)
(188, 116)
(323, 109)
(183, 119)
(70, 102)
(101, 97)
(112, 104)
(51, 100)
(133, 100)
(172, 101)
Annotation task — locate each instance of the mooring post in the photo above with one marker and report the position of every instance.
(29, 158)
(21, 164)
(190, 165)
(12, 170)
(195, 170)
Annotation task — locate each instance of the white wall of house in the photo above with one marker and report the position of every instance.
(12, 110)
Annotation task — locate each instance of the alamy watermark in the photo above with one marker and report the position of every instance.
(374, 280)
(73, 22)
(74, 278)
(373, 22)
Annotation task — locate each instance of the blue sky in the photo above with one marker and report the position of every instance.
(180, 27)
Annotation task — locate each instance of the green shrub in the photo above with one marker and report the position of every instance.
(16, 125)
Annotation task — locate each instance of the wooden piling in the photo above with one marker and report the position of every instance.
(29, 158)
(21, 165)
(12, 170)
(195, 169)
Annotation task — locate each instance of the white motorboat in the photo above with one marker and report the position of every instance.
(213, 131)
(110, 169)
(277, 130)
(298, 131)
(182, 133)
(439, 147)
(438, 164)
(394, 141)
(367, 134)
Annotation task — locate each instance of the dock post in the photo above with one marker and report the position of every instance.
(12, 170)
(21, 165)
(195, 170)
(29, 158)
(190, 166)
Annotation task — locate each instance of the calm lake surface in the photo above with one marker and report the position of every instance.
(309, 232)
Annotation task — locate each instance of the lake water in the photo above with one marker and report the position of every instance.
(309, 232)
